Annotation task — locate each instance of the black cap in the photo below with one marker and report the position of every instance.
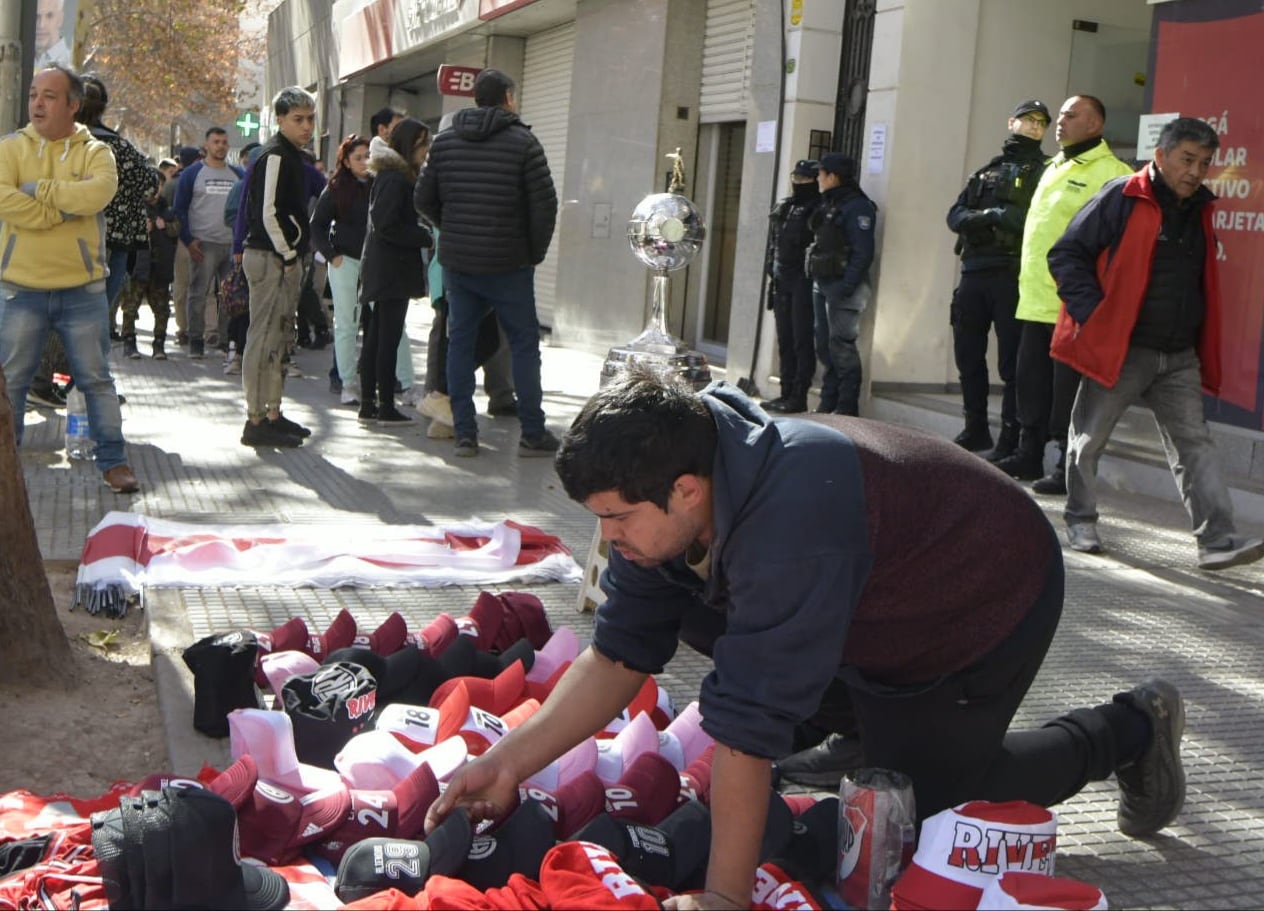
(1031, 106)
(223, 667)
(327, 708)
(188, 155)
(843, 166)
(375, 864)
(806, 167)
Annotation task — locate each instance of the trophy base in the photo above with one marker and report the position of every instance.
(667, 357)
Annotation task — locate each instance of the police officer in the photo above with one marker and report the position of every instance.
(838, 262)
(988, 219)
(791, 289)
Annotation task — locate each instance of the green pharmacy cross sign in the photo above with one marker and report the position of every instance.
(248, 123)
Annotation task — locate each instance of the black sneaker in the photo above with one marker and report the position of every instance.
(1152, 787)
(160, 349)
(129, 348)
(791, 405)
(266, 433)
(51, 397)
(197, 348)
(975, 438)
(293, 428)
(368, 413)
(1052, 483)
(466, 447)
(392, 415)
(506, 409)
(538, 446)
(824, 765)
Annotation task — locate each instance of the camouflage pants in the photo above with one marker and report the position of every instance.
(157, 295)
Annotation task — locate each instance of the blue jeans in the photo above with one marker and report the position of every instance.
(1170, 385)
(80, 317)
(837, 328)
(512, 296)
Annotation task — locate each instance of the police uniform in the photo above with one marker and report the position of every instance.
(988, 219)
(838, 261)
(791, 293)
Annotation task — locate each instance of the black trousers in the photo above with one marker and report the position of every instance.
(796, 344)
(1046, 388)
(381, 348)
(985, 301)
(951, 736)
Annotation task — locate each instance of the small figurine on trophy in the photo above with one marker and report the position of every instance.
(666, 233)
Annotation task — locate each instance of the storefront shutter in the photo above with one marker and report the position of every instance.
(727, 48)
(545, 105)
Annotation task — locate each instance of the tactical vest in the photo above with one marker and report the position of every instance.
(827, 255)
(791, 233)
(1005, 182)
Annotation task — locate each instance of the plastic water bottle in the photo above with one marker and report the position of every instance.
(78, 443)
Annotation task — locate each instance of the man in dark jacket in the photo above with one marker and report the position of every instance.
(487, 186)
(277, 233)
(807, 557)
(838, 262)
(1148, 333)
(788, 239)
(988, 220)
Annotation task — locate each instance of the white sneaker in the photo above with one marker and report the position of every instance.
(349, 396)
(440, 431)
(1234, 552)
(293, 369)
(437, 407)
(232, 366)
(411, 396)
(1083, 537)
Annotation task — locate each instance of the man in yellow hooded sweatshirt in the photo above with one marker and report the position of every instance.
(55, 181)
(1045, 391)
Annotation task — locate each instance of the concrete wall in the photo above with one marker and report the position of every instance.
(630, 57)
(945, 76)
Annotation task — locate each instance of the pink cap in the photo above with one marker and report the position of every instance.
(268, 738)
(279, 667)
(562, 648)
(576, 761)
(684, 740)
(377, 761)
(616, 755)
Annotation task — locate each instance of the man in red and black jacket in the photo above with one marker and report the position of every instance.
(1136, 272)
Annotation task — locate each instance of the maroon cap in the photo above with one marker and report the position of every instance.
(647, 791)
(695, 781)
(275, 822)
(484, 621)
(437, 636)
(387, 638)
(290, 635)
(236, 782)
(397, 813)
(528, 619)
(341, 634)
(573, 805)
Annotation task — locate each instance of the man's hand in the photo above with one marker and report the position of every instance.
(697, 900)
(195, 251)
(485, 787)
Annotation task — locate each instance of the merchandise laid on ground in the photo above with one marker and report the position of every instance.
(342, 738)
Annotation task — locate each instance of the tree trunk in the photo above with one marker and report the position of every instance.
(32, 641)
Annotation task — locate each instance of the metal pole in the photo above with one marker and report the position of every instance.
(17, 57)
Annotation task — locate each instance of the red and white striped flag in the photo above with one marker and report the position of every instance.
(126, 552)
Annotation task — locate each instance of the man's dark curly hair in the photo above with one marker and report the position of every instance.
(637, 436)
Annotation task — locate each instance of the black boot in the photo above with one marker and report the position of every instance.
(790, 402)
(1006, 443)
(129, 348)
(976, 437)
(1055, 481)
(1027, 462)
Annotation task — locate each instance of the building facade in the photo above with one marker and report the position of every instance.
(918, 90)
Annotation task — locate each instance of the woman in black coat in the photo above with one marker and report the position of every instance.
(392, 270)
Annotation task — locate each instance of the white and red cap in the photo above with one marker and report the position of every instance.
(274, 822)
(418, 727)
(377, 761)
(684, 740)
(574, 762)
(562, 648)
(399, 812)
(1015, 891)
(268, 738)
(963, 849)
(615, 755)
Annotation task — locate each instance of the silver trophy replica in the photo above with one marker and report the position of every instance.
(666, 233)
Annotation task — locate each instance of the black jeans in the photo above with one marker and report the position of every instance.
(986, 300)
(1046, 388)
(796, 344)
(951, 736)
(381, 350)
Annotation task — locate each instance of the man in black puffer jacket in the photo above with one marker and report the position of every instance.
(487, 186)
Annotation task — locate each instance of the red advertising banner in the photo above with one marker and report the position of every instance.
(457, 80)
(1212, 70)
